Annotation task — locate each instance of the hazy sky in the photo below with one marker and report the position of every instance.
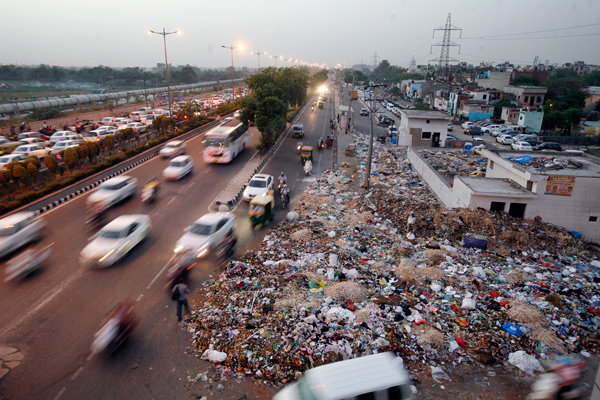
(113, 33)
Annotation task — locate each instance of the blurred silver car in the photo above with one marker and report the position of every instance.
(172, 149)
(18, 230)
(113, 191)
(206, 233)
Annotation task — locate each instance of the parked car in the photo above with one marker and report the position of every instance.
(491, 127)
(467, 124)
(62, 145)
(172, 149)
(450, 127)
(115, 240)
(259, 184)
(8, 158)
(60, 135)
(451, 137)
(505, 139)
(521, 146)
(548, 146)
(392, 131)
(206, 233)
(500, 131)
(178, 167)
(32, 135)
(138, 127)
(32, 150)
(531, 139)
(473, 130)
(113, 191)
(364, 112)
(18, 230)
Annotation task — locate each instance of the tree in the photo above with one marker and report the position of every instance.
(109, 143)
(5, 177)
(93, 150)
(32, 160)
(70, 158)
(271, 113)
(32, 170)
(188, 75)
(527, 81)
(19, 174)
(558, 87)
(82, 153)
(422, 106)
(52, 164)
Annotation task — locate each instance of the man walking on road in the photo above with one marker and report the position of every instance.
(180, 292)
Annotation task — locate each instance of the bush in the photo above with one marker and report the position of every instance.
(70, 158)
(32, 170)
(32, 160)
(109, 143)
(47, 113)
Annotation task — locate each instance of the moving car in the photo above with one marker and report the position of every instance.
(35, 140)
(172, 149)
(18, 230)
(521, 146)
(364, 112)
(32, 150)
(178, 167)
(106, 121)
(96, 135)
(8, 158)
(377, 377)
(206, 233)
(58, 136)
(115, 240)
(62, 145)
(138, 127)
(548, 146)
(113, 191)
(7, 146)
(108, 128)
(259, 184)
(32, 135)
(473, 130)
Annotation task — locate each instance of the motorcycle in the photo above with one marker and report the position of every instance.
(312, 108)
(284, 200)
(150, 192)
(307, 167)
(226, 251)
(114, 329)
(563, 381)
(299, 147)
(94, 218)
(320, 144)
(25, 263)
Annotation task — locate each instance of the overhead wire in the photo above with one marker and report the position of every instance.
(531, 33)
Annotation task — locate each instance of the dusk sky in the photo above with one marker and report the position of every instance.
(114, 33)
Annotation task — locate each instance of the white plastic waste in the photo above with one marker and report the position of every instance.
(333, 259)
(525, 362)
(214, 355)
(437, 373)
(468, 303)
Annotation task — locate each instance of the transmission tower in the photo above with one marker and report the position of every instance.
(375, 57)
(444, 60)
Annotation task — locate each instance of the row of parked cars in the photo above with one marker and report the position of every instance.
(508, 135)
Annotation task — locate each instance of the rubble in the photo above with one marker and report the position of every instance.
(453, 163)
(345, 280)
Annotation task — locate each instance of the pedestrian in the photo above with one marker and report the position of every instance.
(13, 132)
(44, 126)
(22, 127)
(28, 127)
(180, 292)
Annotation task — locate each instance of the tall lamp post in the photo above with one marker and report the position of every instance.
(258, 53)
(164, 35)
(232, 47)
(275, 57)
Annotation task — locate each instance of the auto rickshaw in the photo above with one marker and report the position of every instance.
(262, 209)
(306, 154)
(321, 104)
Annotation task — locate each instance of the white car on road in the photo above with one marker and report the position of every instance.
(178, 167)
(18, 230)
(259, 184)
(206, 233)
(62, 145)
(172, 149)
(32, 150)
(8, 158)
(521, 146)
(115, 240)
(113, 191)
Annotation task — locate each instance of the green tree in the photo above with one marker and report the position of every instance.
(559, 87)
(93, 150)
(70, 158)
(593, 78)
(32, 160)
(5, 177)
(188, 75)
(32, 171)
(82, 153)
(527, 81)
(52, 164)
(271, 113)
(422, 106)
(109, 143)
(19, 174)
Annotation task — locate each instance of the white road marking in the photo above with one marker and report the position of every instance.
(160, 273)
(49, 297)
(191, 184)
(92, 354)
(60, 393)
(139, 297)
(170, 201)
(76, 373)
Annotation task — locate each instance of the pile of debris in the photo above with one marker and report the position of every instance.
(392, 270)
(453, 163)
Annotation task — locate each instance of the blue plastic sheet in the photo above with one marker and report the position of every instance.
(521, 159)
(512, 329)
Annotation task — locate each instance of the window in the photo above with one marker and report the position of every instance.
(497, 206)
(539, 99)
(593, 219)
(426, 136)
(485, 96)
(427, 121)
(517, 210)
(526, 99)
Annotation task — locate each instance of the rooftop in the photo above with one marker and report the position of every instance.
(496, 187)
(429, 114)
(551, 163)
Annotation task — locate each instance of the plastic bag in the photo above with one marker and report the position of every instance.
(214, 356)
(525, 362)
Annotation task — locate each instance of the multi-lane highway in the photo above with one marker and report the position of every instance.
(52, 316)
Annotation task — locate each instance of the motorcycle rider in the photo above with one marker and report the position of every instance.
(180, 271)
(282, 180)
(285, 191)
(115, 327)
(320, 143)
(154, 185)
(299, 145)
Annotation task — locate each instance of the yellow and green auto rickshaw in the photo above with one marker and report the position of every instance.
(306, 154)
(321, 104)
(262, 209)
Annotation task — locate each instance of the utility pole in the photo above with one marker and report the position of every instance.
(370, 153)
(444, 59)
(350, 122)
(375, 57)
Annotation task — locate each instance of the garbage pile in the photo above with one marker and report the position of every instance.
(392, 270)
(453, 163)
(551, 163)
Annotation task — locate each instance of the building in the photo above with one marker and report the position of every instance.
(473, 110)
(531, 119)
(527, 96)
(454, 99)
(493, 79)
(560, 188)
(541, 75)
(593, 95)
(423, 128)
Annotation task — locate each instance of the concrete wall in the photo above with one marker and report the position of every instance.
(416, 126)
(497, 80)
(532, 120)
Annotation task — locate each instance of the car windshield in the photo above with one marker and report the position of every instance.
(5, 159)
(216, 143)
(177, 164)
(112, 186)
(298, 128)
(110, 234)
(171, 146)
(201, 229)
(7, 230)
(21, 148)
(257, 183)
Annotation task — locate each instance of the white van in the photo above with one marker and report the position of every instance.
(379, 377)
(145, 109)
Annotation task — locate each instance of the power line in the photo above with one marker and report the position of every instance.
(529, 33)
(542, 37)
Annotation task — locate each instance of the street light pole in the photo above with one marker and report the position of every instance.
(258, 53)
(164, 35)
(232, 47)
(275, 57)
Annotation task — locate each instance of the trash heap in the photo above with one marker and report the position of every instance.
(392, 270)
(453, 163)
(551, 163)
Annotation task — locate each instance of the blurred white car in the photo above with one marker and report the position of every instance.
(32, 150)
(505, 139)
(138, 127)
(115, 240)
(206, 233)
(34, 140)
(259, 184)
(172, 149)
(62, 145)
(18, 230)
(178, 167)
(521, 146)
(113, 191)
(8, 158)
